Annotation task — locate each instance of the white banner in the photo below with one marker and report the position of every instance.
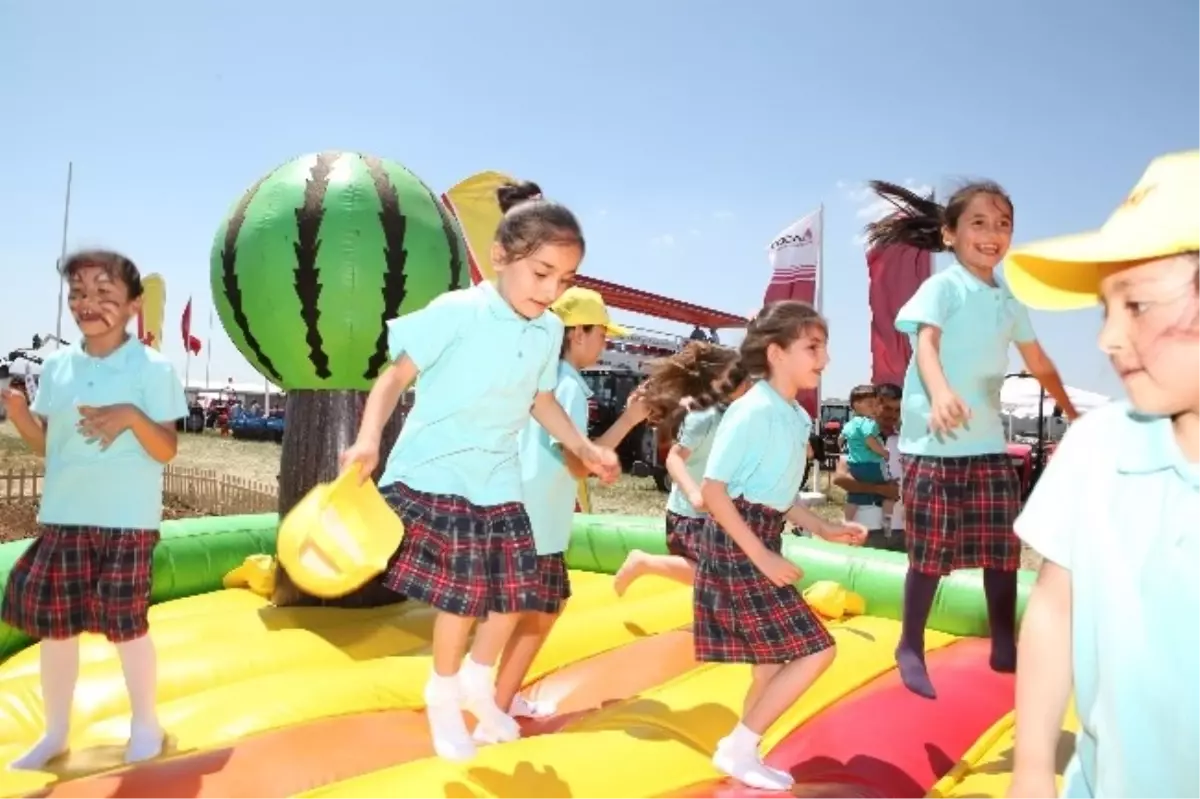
(795, 254)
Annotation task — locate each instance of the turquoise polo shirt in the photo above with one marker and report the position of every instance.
(1118, 507)
(119, 487)
(761, 448)
(480, 366)
(696, 434)
(856, 432)
(978, 322)
(548, 488)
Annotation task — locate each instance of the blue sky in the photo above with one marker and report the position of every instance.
(684, 134)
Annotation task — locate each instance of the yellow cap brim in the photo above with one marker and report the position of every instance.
(1064, 273)
(615, 330)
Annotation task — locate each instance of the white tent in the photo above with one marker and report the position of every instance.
(1019, 399)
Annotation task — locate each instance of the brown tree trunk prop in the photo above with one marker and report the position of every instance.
(320, 425)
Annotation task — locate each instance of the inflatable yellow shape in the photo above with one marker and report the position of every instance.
(662, 739)
(473, 203)
(986, 768)
(338, 537)
(154, 306)
(833, 601)
(257, 573)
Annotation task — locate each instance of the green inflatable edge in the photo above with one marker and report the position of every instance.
(194, 555)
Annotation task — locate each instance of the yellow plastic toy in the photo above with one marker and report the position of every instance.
(831, 600)
(338, 537)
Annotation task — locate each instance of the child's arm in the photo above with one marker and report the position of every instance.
(31, 427)
(846, 532)
(550, 415)
(152, 422)
(1043, 682)
(845, 481)
(876, 446)
(776, 568)
(1041, 367)
(677, 467)
(630, 418)
(384, 397)
(947, 410)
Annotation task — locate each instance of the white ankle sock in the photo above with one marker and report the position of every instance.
(59, 673)
(479, 697)
(742, 739)
(746, 768)
(536, 709)
(443, 707)
(140, 666)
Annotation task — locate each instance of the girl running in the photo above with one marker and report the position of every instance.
(706, 377)
(959, 490)
(548, 477)
(487, 357)
(1115, 615)
(746, 607)
(104, 419)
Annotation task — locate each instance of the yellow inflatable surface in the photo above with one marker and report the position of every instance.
(267, 701)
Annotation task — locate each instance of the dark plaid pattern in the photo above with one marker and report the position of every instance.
(959, 513)
(739, 615)
(73, 580)
(683, 535)
(554, 588)
(463, 558)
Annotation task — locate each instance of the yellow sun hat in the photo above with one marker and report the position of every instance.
(1159, 218)
(339, 536)
(579, 306)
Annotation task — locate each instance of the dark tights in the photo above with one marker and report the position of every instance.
(1000, 588)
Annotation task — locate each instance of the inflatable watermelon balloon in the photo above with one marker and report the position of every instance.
(307, 268)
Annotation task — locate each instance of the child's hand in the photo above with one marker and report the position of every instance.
(636, 405)
(104, 423)
(696, 498)
(778, 569)
(947, 411)
(14, 399)
(601, 461)
(850, 533)
(1032, 786)
(364, 455)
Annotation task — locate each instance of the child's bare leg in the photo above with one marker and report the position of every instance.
(639, 564)
(849, 511)
(524, 645)
(785, 687)
(59, 671)
(478, 683)
(443, 697)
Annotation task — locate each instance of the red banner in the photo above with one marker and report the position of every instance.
(894, 273)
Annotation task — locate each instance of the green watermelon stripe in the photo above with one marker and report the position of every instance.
(307, 247)
(395, 279)
(449, 230)
(229, 279)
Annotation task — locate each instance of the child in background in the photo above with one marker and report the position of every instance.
(866, 456)
(705, 378)
(487, 357)
(746, 606)
(1115, 612)
(104, 418)
(548, 478)
(960, 492)
(881, 534)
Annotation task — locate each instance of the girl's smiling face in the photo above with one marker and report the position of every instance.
(1151, 331)
(982, 234)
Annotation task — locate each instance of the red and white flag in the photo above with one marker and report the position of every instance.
(190, 342)
(894, 273)
(795, 258)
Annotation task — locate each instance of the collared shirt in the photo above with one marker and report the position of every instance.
(696, 435)
(119, 487)
(856, 432)
(1118, 507)
(548, 487)
(480, 365)
(761, 448)
(979, 322)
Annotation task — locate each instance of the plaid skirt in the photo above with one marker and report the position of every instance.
(683, 535)
(554, 587)
(959, 513)
(463, 558)
(739, 615)
(73, 580)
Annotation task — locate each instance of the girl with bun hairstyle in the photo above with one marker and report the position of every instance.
(959, 489)
(487, 357)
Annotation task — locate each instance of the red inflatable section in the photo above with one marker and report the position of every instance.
(883, 740)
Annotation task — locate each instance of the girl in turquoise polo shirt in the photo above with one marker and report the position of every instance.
(746, 608)
(959, 490)
(488, 358)
(549, 476)
(104, 419)
(1115, 612)
(705, 377)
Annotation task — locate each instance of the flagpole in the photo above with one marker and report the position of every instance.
(62, 283)
(208, 360)
(818, 292)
